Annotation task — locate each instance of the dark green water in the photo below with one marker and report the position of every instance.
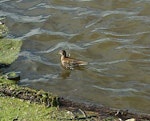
(113, 36)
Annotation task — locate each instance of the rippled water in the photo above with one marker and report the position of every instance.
(113, 36)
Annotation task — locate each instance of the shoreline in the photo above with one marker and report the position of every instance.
(11, 89)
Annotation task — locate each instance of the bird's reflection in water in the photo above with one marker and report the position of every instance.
(65, 73)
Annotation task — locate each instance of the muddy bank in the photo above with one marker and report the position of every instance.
(104, 111)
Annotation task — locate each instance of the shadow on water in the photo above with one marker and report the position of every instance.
(66, 72)
(3, 68)
(4, 65)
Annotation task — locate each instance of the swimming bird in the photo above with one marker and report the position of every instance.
(70, 63)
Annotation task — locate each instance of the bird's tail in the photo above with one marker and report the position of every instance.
(82, 63)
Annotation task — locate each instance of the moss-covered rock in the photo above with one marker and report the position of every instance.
(9, 88)
(9, 49)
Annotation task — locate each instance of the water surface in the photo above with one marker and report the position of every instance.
(113, 36)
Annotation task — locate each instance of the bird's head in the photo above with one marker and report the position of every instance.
(62, 53)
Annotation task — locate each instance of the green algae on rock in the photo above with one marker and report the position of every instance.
(9, 50)
(15, 76)
(9, 88)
